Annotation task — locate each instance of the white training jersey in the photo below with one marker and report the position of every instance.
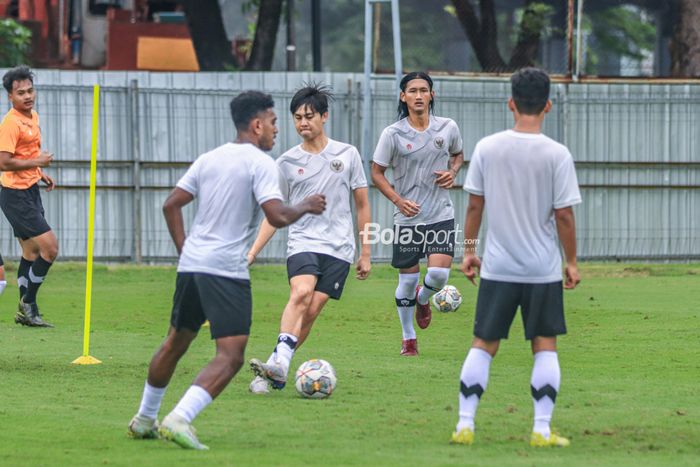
(335, 172)
(523, 178)
(414, 157)
(230, 182)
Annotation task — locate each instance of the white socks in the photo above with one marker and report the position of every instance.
(473, 381)
(3, 284)
(434, 281)
(284, 351)
(406, 302)
(150, 401)
(544, 384)
(194, 401)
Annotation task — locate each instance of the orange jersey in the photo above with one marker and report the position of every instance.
(21, 137)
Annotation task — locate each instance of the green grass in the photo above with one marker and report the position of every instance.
(629, 394)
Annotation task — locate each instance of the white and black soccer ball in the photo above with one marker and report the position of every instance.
(315, 379)
(448, 299)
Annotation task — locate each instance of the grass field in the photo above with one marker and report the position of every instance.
(630, 377)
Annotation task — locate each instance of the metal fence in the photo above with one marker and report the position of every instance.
(635, 148)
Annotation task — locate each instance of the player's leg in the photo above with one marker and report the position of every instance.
(318, 301)
(406, 255)
(543, 319)
(28, 312)
(276, 368)
(227, 304)
(3, 282)
(47, 244)
(439, 247)
(496, 305)
(144, 424)
(185, 320)
(330, 284)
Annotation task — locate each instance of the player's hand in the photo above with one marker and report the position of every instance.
(444, 178)
(315, 204)
(363, 268)
(470, 265)
(44, 159)
(251, 258)
(572, 276)
(407, 207)
(50, 185)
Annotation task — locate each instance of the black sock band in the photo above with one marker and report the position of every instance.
(545, 390)
(476, 389)
(23, 275)
(406, 301)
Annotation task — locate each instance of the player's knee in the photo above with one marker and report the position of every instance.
(50, 252)
(234, 360)
(437, 277)
(301, 295)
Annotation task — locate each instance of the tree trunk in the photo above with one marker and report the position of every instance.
(481, 32)
(529, 35)
(685, 47)
(211, 44)
(265, 36)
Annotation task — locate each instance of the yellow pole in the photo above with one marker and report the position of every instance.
(86, 359)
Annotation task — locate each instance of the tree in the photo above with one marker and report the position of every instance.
(685, 47)
(263, 51)
(15, 41)
(482, 31)
(211, 43)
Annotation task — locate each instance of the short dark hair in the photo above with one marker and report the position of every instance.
(247, 105)
(530, 89)
(313, 95)
(18, 73)
(403, 107)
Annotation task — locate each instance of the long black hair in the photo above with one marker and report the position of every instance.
(403, 108)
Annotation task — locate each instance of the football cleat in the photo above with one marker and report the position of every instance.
(141, 427)
(259, 385)
(28, 315)
(423, 312)
(464, 436)
(274, 374)
(409, 347)
(177, 430)
(539, 441)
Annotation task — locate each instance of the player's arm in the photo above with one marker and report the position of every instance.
(472, 223)
(9, 163)
(280, 215)
(172, 211)
(446, 178)
(407, 207)
(566, 227)
(265, 233)
(364, 264)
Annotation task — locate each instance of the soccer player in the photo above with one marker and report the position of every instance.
(425, 153)
(21, 160)
(232, 183)
(320, 249)
(528, 185)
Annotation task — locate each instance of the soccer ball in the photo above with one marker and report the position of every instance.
(315, 379)
(448, 299)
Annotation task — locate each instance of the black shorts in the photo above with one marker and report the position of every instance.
(413, 242)
(24, 211)
(541, 307)
(330, 271)
(226, 303)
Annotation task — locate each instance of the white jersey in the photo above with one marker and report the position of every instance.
(414, 157)
(335, 172)
(231, 182)
(523, 177)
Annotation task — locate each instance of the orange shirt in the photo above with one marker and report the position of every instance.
(21, 137)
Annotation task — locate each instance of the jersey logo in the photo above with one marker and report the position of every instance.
(337, 165)
(409, 146)
(300, 171)
(439, 142)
